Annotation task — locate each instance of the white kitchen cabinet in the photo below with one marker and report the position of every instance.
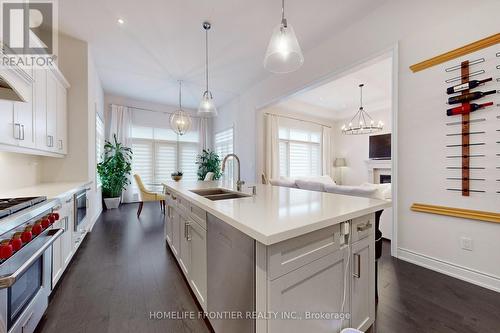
(66, 237)
(185, 248)
(62, 120)
(57, 261)
(40, 103)
(51, 112)
(298, 293)
(8, 131)
(363, 282)
(25, 120)
(168, 224)
(176, 232)
(197, 238)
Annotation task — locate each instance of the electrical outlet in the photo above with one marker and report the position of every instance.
(466, 243)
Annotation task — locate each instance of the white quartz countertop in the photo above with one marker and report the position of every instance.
(50, 190)
(277, 213)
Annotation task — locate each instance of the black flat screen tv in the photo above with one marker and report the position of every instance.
(380, 147)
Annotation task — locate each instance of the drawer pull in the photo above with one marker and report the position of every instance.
(364, 227)
(357, 273)
(174, 197)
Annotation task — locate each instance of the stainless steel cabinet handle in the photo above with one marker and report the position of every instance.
(185, 229)
(22, 128)
(69, 200)
(17, 127)
(364, 227)
(60, 144)
(188, 235)
(50, 140)
(357, 273)
(66, 222)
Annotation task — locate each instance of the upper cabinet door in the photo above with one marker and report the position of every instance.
(40, 102)
(51, 112)
(25, 118)
(62, 120)
(9, 130)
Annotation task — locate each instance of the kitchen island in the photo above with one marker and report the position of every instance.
(281, 260)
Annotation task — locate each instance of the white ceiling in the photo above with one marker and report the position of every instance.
(339, 99)
(162, 41)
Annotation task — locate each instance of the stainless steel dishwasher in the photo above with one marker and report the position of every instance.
(230, 276)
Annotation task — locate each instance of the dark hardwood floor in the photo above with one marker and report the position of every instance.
(123, 271)
(416, 299)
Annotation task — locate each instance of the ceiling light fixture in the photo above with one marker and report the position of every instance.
(121, 21)
(283, 53)
(180, 121)
(207, 105)
(362, 123)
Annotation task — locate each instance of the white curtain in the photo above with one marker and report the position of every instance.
(120, 124)
(326, 150)
(272, 165)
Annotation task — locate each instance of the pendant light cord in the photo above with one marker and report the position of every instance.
(282, 10)
(206, 53)
(180, 94)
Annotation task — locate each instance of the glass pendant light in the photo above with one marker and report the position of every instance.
(362, 123)
(283, 53)
(207, 105)
(180, 121)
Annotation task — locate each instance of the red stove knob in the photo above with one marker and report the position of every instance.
(51, 218)
(26, 235)
(5, 249)
(46, 222)
(37, 228)
(16, 241)
(56, 216)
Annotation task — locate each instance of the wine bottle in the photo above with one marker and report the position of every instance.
(469, 97)
(466, 108)
(467, 85)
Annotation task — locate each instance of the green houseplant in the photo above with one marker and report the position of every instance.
(114, 171)
(208, 161)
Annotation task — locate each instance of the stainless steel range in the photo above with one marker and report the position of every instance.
(26, 237)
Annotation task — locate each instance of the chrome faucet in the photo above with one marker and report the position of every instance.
(239, 182)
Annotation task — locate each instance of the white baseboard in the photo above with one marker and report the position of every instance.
(460, 272)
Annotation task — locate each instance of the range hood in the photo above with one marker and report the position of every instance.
(15, 84)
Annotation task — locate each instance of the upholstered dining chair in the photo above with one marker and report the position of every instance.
(146, 195)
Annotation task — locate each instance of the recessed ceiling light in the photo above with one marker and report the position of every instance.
(121, 21)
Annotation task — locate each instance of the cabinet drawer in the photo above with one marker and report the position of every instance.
(362, 227)
(182, 204)
(291, 254)
(198, 215)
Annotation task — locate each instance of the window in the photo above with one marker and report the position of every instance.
(99, 143)
(224, 146)
(157, 154)
(299, 152)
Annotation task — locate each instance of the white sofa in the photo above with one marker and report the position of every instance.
(327, 184)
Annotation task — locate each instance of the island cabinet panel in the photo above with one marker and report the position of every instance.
(197, 238)
(168, 224)
(363, 283)
(9, 131)
(57, 256)
(67, 237)
(185, 248)
(314, 289)
(176, 233)
(299, 251)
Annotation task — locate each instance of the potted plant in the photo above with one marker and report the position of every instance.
(208, 161)
(114, 172)
(177, 175)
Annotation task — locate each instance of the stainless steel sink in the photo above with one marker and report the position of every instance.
(215, 194)
(226, 196)
(210, 191)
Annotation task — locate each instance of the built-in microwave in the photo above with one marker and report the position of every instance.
(80, 203)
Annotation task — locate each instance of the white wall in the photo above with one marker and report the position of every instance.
(18, 170)
(354, 148)
(423, 29)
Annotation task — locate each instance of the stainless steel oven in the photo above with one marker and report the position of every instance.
(80, 203)
(25, 274)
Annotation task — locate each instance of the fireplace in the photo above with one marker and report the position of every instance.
(385, 179)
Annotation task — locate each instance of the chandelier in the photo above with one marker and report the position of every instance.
(362, 123)
(180, 121)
